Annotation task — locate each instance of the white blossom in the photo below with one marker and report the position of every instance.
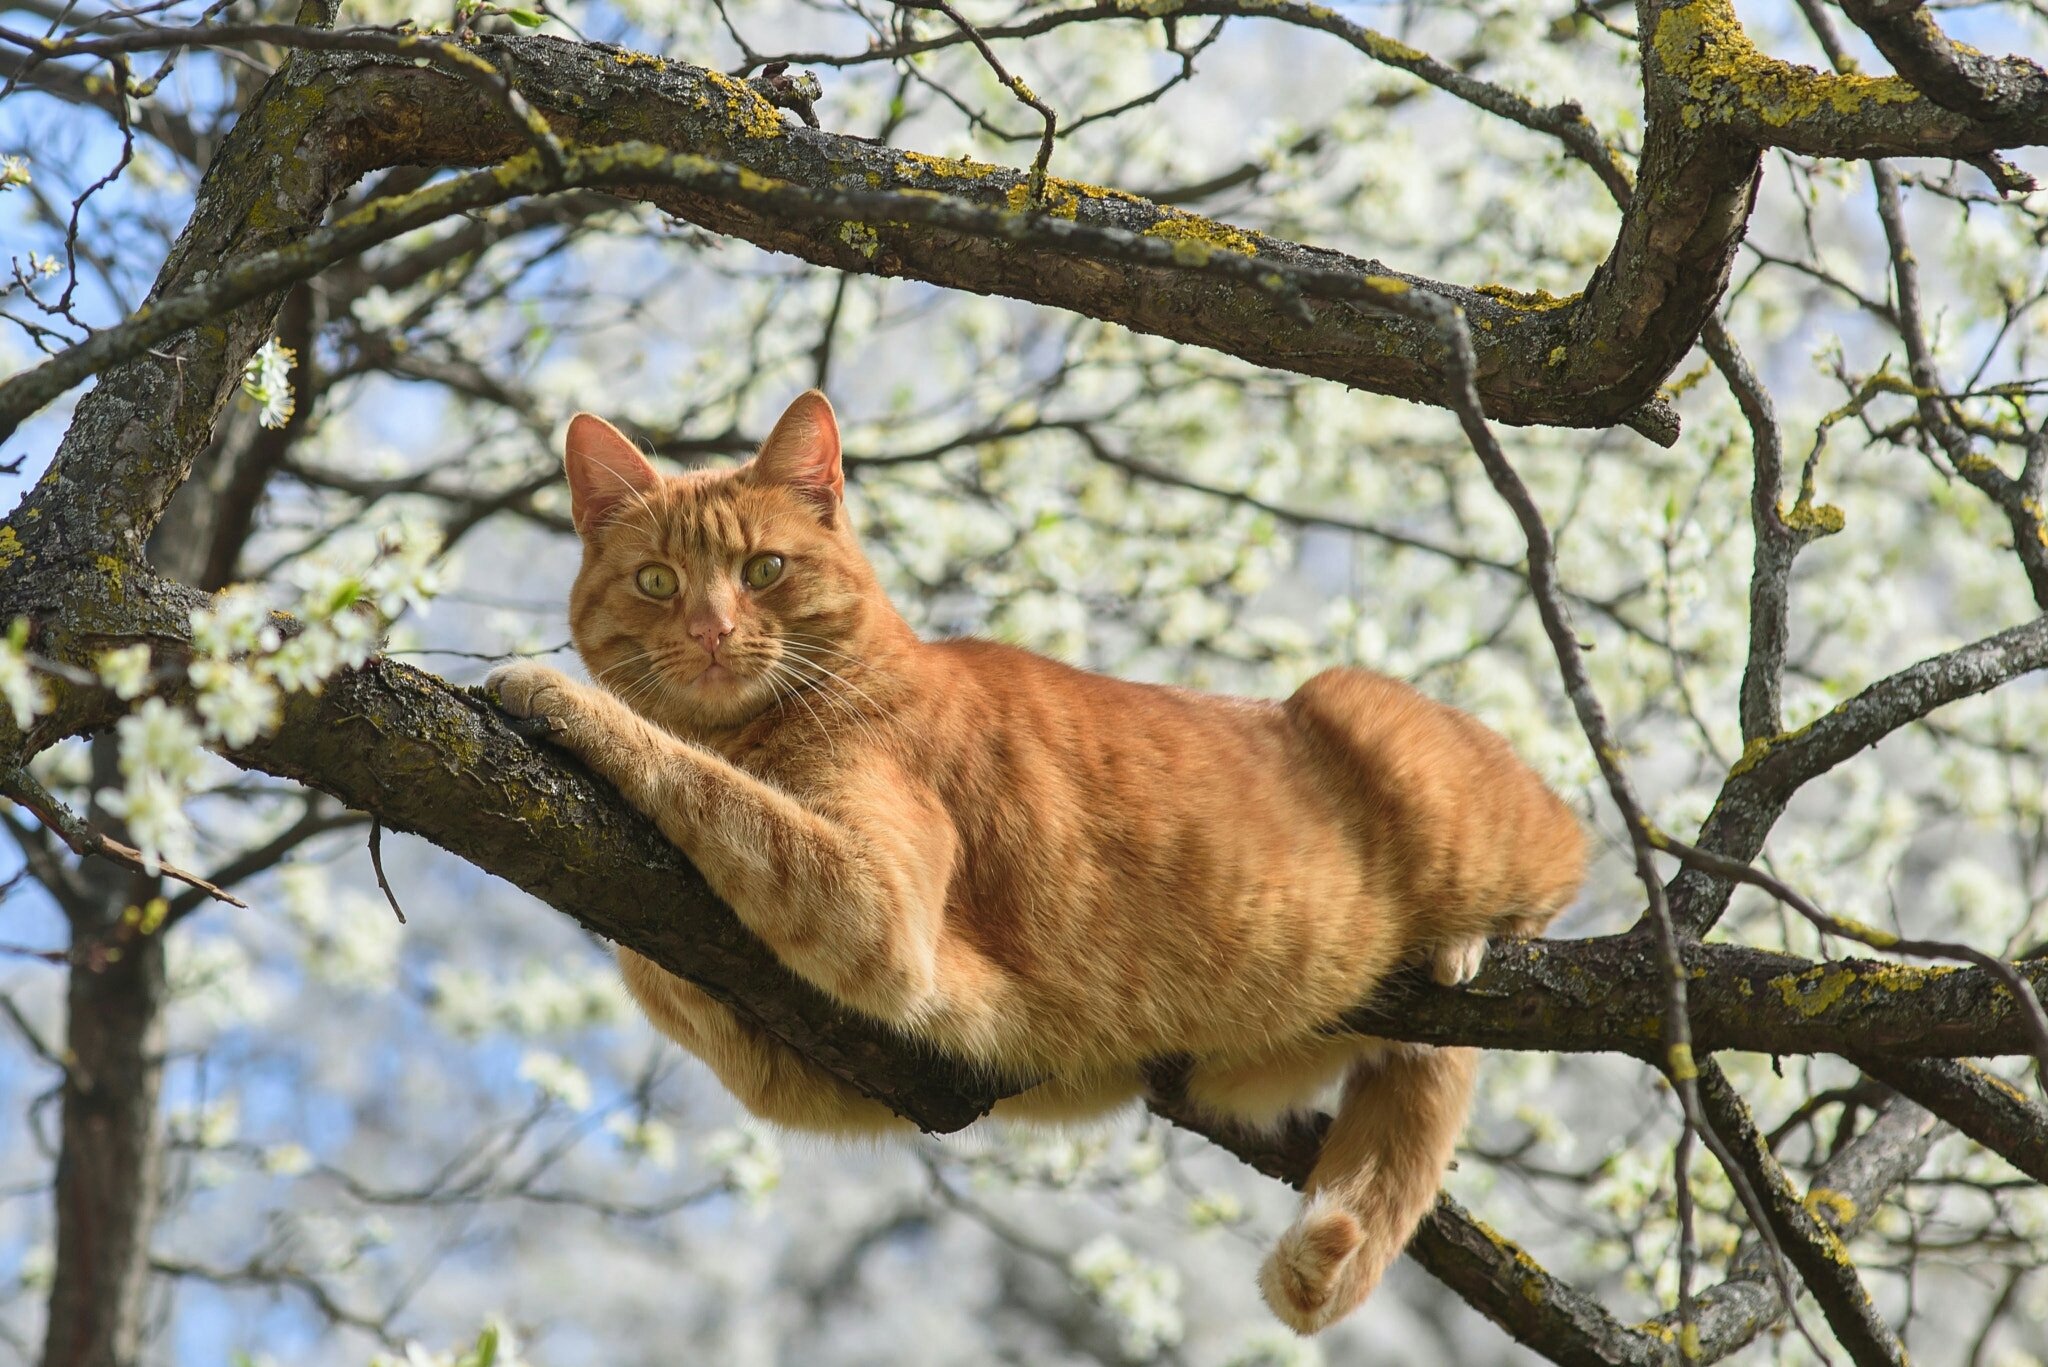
(749, 1158)
(1143, 1296)
(647, 1139)
(26, 695)
(236, 703)
(556, 1078)
(126, 671)
(267, 380)
(237, 624)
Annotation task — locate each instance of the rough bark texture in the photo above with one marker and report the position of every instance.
(109, 1165)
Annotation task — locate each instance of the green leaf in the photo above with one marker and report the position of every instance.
(486, 1351)
(525, 18)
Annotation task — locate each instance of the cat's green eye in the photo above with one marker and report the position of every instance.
(762, 571)
(656, 581)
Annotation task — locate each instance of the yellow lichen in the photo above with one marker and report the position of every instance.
(10, 547)
(1534, 300)
(1556, 356)
(1830, 1206)
(861, 238)
(1703, 45)
(1822, 519)
(640, 59)
(1752, 755)
(1881, 978)
(1868, 934)
(1683, 1069)
(1754, 752)
(1202, 236)
(1814, 991)
(944, 168)
(746, 113)
(1060, 201)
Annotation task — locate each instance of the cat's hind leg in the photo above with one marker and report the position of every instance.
(767, 1077)
(1382, 1161)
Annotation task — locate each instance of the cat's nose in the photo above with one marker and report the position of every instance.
(710, 633)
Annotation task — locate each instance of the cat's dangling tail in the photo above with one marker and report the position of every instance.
(1382, 1161)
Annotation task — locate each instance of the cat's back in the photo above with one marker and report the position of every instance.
(1438, 793)
(1022, 706)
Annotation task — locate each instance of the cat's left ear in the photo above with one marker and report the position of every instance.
(802, 454)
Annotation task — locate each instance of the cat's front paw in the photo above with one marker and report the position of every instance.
(532, 692)
(1458, 963)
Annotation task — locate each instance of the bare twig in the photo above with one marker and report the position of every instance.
(1014, 84)
(84, 839)
(377, 864)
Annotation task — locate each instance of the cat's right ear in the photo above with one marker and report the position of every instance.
(604, 469)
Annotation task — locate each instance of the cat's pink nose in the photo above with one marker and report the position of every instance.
(710, 632)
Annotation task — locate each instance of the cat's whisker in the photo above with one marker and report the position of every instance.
(835, 676)
(827, 673)
(775, 673)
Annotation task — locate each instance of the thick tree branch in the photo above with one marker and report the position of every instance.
(1700, 49)
(1591, 362)
(2001, 91)
(1773, 769)
(1802, 1230)
(1845, 1194)
(1982, 1105)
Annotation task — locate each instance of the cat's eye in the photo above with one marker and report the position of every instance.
(762, 571)
(656, 581)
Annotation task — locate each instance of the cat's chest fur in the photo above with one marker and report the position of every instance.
(803, 747)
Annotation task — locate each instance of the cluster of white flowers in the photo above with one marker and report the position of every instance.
(161, 761)
(643, 1138)
(287, 1160)
(1214, 1209)
(543, 998)
(748, 1156)
(13, 172)
(556, 1078)
(243, 665)
(1143, 1296)
(21, 688)
(211, 1126)
(267, 380)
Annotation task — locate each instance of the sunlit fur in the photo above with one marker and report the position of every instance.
(1051, 872)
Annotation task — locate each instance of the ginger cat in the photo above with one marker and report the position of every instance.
(1053, 873)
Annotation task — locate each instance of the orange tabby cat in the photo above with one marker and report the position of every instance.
(1051, 872)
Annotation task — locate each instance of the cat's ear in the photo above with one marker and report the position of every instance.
(604, 469)
(802, 454)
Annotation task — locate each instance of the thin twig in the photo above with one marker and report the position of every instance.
(84, 839)
(2031, 1012)
(1015, 85)
(1462, 395)
(377, 863)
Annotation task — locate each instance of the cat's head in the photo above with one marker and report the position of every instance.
(707, 597)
